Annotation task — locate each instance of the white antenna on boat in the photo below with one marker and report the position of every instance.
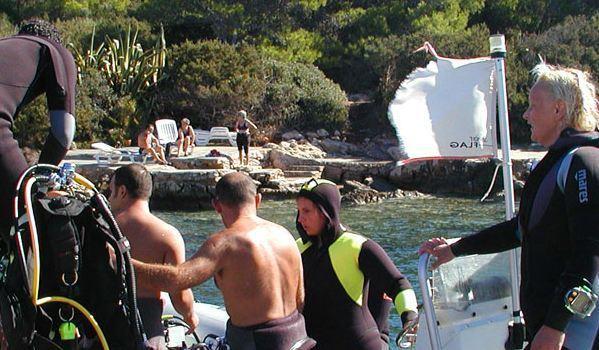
(498, 52)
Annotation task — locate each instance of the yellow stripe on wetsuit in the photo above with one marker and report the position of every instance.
(406, 301)
(344, 253)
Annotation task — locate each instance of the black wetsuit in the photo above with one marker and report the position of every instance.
(150, 311)
(380, 306)
(30, 66)
(559, 232)
(335, 319)
(285, 333)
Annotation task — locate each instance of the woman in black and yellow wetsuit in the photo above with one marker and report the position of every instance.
(338, 267)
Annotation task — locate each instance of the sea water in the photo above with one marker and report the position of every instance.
(398, 225)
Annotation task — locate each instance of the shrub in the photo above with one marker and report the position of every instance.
(300, 96)
(78, 31)
(6, 27)
(208, 82)
(100, 115)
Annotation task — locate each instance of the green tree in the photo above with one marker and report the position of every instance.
(19, 10)
(209, 81)
(6, 27)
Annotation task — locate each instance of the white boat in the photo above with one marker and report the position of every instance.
(211, 328)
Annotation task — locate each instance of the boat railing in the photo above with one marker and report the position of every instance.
(465, 301)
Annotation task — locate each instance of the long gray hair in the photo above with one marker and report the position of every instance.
(576, 89)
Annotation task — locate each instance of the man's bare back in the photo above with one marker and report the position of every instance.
(145, 140)
(259, 272)
(152, 240)
(256, 265)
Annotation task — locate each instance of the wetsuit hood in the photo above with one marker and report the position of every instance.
(328, 199)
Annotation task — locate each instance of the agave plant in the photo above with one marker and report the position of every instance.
(90, 59)
(128, 68)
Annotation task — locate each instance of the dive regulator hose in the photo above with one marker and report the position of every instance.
(35, 252)
(102, 205)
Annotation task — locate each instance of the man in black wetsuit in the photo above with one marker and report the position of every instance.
(31, 63)
(558, 221)
(339, 266)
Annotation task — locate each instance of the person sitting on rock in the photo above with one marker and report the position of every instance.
(149, 144)
(187, 138)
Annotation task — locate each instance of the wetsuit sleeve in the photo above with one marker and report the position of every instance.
(381, 271)
(498, 238)
(59, 86)
(581, 196)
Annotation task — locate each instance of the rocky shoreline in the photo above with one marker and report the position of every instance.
(366, 173)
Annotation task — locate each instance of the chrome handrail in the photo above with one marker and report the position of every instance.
(427, 302)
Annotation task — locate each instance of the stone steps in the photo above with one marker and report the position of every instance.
(299, 167)
(302, 173)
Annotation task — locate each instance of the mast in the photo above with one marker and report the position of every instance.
(498, 53)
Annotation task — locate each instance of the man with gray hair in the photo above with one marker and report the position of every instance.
(558, 223)
(255, 264)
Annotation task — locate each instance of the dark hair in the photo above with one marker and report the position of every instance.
(39, 27)
(235, 189)
(136, 179)
(148, 126)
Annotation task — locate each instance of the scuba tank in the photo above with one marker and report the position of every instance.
(58, 288)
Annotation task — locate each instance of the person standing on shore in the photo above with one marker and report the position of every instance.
(152, 240)
(339, 266)
(242, 127)
(256, 266)
(558, 223)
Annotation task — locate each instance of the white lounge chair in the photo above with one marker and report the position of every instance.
(111, 155)
(202, 137)
(222, 133)
(168, 133)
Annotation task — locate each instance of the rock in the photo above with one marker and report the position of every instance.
(470, 177)
(286, 155)
(338, 147)
(312, 135)
(382, 185)
(358, 193)
(351, 185)
(368, 180)
(264, 176)
(224, 162)
(337, 133)
(396, 153)
(376, 151)
(322, 133)
(292, 135)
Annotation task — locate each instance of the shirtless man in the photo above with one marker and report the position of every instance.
(256, 265)
(152, 240)
(148, 143)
